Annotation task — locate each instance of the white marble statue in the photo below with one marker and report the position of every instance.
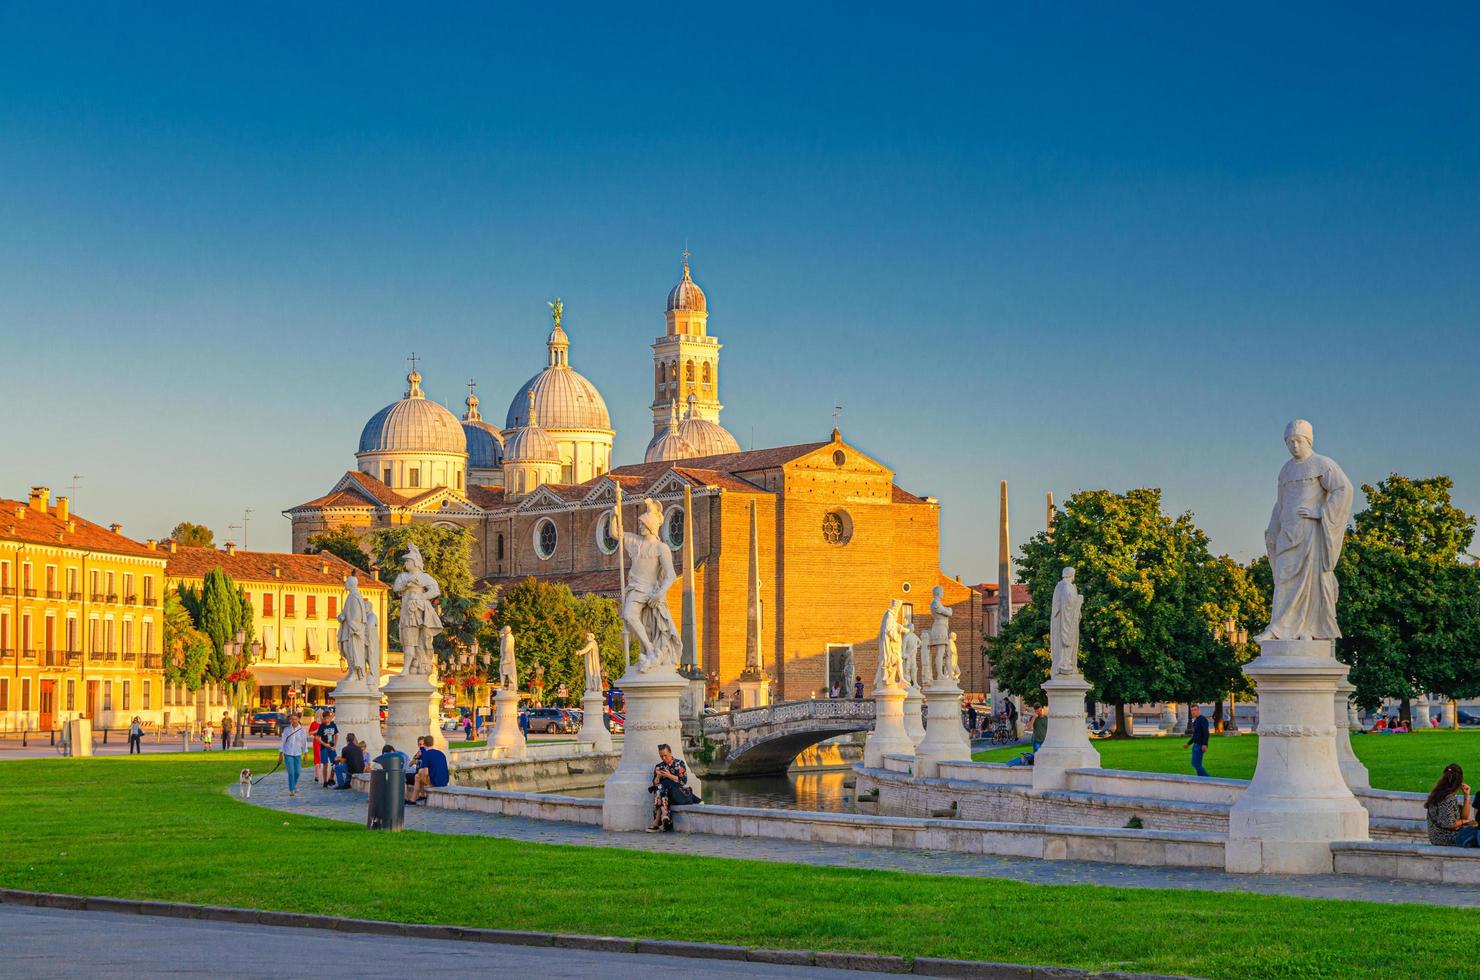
(354, 624)
(1303, 540)
(508, 670)
(645, 601)
(1064, 628)
(890, 673)
(419, 621)
(591, 653)
(372, 660)
(954, 665)
(915, 667)
(940, 632)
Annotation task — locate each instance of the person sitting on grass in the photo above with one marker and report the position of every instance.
(1451, 818)
(351, 762)
(670, 788)
(431, 771)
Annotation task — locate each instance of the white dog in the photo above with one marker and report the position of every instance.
(244, 784)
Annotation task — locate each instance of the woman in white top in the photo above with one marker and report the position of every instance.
(292, 746)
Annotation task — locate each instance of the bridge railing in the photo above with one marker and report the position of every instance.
(783, 712)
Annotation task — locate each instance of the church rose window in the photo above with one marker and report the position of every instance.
(673, 528)
(837, 527)
(605, 539)
(545, 538)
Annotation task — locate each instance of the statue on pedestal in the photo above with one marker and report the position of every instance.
(916, 667)
(954, 664)
(419, 621)
(645, 598)
(940, 633)
(890, 673)
(355, 640)
(508, 671)
(591, 653)
(1303, 540)
(1064, 628)
(372, 660)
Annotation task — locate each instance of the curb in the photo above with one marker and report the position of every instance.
(861, 962)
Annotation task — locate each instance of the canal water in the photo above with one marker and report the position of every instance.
(818, 791)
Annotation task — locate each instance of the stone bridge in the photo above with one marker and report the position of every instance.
(765, 740)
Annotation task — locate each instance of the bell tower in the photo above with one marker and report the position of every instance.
(686, 357)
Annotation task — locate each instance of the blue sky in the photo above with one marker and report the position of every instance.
(1070, 247)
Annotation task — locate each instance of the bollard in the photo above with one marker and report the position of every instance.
(185, 740)
(105, 736)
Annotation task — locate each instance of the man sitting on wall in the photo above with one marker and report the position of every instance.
(431, 771)
(351, 762)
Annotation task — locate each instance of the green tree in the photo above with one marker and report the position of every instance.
(220, 618)
(550, 625)
(187, 651)
(1152, 595)
(340, 542)
(1409, 608)
(188, 535)
(447, 556)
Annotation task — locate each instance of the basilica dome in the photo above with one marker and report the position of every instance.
(669, 445)
(485, 441)
(686, 295)
(413, 424)
(707, 438)
(530, 442)
(560, 394)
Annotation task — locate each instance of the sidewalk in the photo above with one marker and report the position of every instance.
(349, 805)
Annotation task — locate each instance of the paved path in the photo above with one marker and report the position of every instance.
(55, 943)
(313, 800)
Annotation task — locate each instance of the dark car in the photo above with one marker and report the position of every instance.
(552, 721)
(1467, 717)
(269, 722)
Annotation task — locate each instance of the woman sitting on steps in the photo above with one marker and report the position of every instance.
(1451, 819)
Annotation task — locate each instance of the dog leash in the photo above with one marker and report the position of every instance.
(270, 771)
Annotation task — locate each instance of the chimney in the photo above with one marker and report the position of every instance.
(277, 572)
(39, 498)
(115, 527)
(152, 544)
(64, 507)
(71, 523)
(323, 568)
(230, 548)
(173, 546)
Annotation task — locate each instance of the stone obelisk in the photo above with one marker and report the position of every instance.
(1048, 521)
(755, 686)
(691, 708)
(1004, 565)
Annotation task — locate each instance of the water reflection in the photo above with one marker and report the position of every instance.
(825, 791)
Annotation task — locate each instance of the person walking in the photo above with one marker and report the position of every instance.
(226, 730)
(1197, 737)
(135, 737)
(291, 747)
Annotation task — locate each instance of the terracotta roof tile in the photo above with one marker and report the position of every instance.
(257, 566)
(44, 527)
(375, 488)
(600, 582)
(486, 497)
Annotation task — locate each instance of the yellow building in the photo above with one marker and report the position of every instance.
(295, 603)
(81, 623)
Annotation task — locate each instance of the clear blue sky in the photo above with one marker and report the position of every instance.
(1067, 246)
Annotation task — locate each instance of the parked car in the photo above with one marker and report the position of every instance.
(1467, 717)
(269, 722)
(614, 721)
(552, 721)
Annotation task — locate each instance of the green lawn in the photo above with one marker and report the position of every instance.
(1403, 762)
(163, 827)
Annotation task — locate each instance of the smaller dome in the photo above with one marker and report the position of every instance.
(687, 295)
(530, 443)
(669, 445)
(412, 424)
(485, 444)
(707, 438)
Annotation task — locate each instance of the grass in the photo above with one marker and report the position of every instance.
(164, 827)
(1409, 762)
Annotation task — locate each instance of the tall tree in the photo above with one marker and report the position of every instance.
(1151, 593)
(188, 535)
(550, 624)
(341, 542)
(187, 651)
(220, 618)
(447, 556)
(1409, 608)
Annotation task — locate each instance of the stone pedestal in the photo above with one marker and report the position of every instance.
(945, 739)
(1298, 801)
(1184, 718)
(79, 737)
(357, 713)
(1419, 710)
(1353, 717)
(652, 719)
(914, 715)
(1169, 718)
(755, 689)
(1067, 744)
(1447, 719)
(1352, 769)
(411, 712)
(593, 731)
(504, 733)
(889, 736)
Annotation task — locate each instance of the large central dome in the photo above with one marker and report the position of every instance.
(561, 395)
(413, 424)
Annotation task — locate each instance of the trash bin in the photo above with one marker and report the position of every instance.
(387, 808)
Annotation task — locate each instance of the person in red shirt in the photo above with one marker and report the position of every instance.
(313, 740)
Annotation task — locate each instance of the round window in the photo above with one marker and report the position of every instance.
(906, 586)
(605, 539)
(546, 537)
(839, 457)
(673, 528)
(837, 527)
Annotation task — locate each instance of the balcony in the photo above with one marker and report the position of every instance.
(97, 597)
(131, 599)
(7, 590)
(7, 656)
(30, 656)
(74, 658)
(153, 661)
(94, 656)
(74, 596)
(148, 601)
(112, 597)
(30, 593)
(53, 593)
(53, 658)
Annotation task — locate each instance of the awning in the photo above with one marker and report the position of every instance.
(273, 675)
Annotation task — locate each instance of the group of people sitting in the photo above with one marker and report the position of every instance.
(334, 766)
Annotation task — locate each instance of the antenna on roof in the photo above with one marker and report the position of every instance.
(246, 519)
(75, 478)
